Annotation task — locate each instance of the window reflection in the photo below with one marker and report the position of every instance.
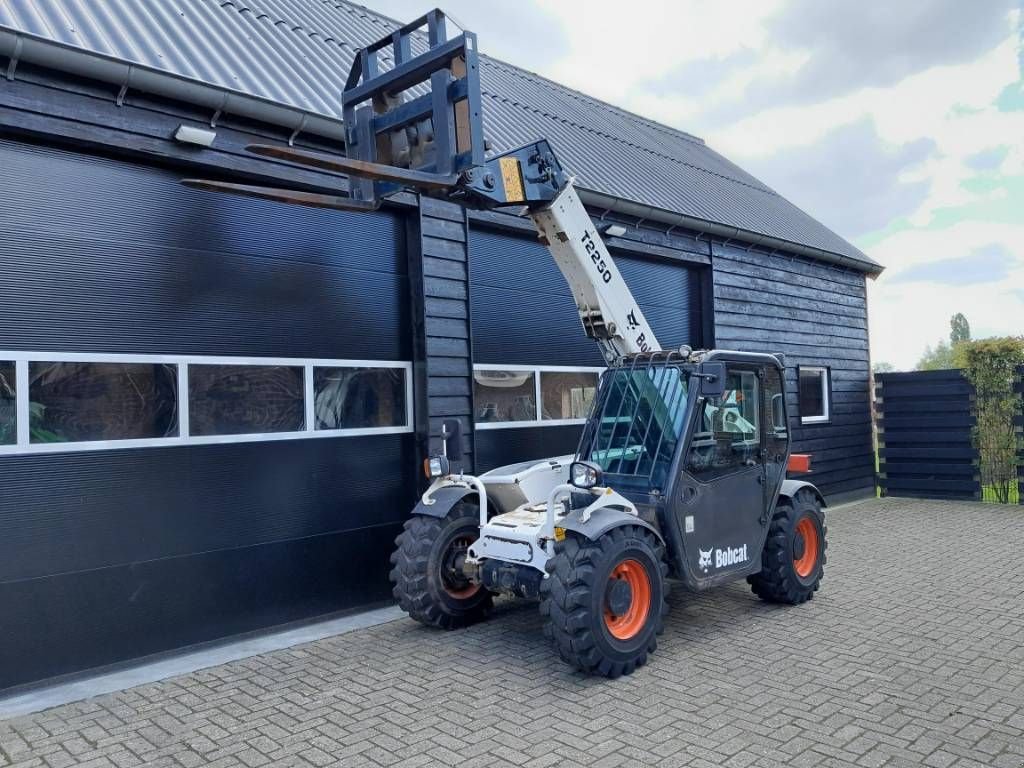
(8, 412)
(505, 396)
(352, 398)
(77, 401)
(567, 395)
(245, 399)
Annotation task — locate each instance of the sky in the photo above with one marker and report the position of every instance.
(900, 125)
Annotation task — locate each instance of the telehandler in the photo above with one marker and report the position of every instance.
(681, 467)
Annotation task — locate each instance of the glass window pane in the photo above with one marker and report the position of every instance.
(8, 414)
(245, 399)
(73, 402)
(504, 396)
(639, 422)
(352, 398)
(566, 395)
(727, 437)
(812, 387)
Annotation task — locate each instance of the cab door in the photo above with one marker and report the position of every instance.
(721, 494)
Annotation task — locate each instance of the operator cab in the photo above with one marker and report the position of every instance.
(689, 439)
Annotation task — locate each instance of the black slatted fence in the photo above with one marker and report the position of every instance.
(925, 446)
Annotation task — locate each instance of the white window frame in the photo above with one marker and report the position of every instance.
(22, 359)
(537, 370)
(826, 400)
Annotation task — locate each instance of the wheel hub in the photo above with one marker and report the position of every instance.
(627, 600)
(618, 597)
(452, 575)
(799, 546)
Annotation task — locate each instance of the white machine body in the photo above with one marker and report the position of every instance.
(529, 495)
(608, 311)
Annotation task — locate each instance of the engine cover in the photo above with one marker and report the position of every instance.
(514, 537)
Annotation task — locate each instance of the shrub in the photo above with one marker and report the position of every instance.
(991, 366)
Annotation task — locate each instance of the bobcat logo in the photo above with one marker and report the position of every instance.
(631, 320)
(705, 559)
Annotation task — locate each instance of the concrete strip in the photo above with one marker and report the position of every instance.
(64, 693)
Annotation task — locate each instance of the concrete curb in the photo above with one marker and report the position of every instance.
(65, 693)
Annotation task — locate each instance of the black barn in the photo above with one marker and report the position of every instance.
(212, 409)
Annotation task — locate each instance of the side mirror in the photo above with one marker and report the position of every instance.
(451, 436)
(585, 475)
(779, 413)
(712, 382)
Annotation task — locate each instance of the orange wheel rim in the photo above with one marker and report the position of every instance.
(461, 543)
(629, 624)
(462, 594)
(805, 564)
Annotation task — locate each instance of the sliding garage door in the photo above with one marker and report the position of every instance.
(534, 369)
(205, 411)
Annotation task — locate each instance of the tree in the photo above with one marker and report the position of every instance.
(959, 329)
(937, 358)
(883, 367)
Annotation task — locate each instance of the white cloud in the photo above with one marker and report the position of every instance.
(907, 316)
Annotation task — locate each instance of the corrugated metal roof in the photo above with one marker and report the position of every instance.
(298, 54)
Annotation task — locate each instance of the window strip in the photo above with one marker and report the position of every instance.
(536, 370)
(24, 445)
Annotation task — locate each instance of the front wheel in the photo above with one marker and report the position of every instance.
(604, 600)
(427, 569)
(793, 560)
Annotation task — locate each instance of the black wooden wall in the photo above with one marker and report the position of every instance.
(815, 314)
(439, 274)
(114, 554)
(925, 449)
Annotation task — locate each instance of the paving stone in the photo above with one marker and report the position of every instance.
(910, 655)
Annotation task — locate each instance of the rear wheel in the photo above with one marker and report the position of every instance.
(793, 560)
(427, 569)
(604, 600)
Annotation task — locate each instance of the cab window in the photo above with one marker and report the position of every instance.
(727, 436)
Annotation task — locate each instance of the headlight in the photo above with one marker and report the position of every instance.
(583, 474)
(435, 466)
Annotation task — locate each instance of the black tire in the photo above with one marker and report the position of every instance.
(427, 583)
(788, 575)
(575, 596)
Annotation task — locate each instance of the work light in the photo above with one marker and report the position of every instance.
(436, 466)
(585, 475)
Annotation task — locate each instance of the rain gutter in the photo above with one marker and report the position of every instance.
(642, 211)
(20, 47)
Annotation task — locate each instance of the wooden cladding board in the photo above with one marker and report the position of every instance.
(816, 315)
(925, 449)
(439, 275)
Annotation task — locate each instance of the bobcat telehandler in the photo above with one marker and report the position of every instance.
(681, 467)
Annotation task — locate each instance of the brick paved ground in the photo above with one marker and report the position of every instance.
(912, 654)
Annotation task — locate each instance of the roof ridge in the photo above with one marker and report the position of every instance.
(314, 34)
